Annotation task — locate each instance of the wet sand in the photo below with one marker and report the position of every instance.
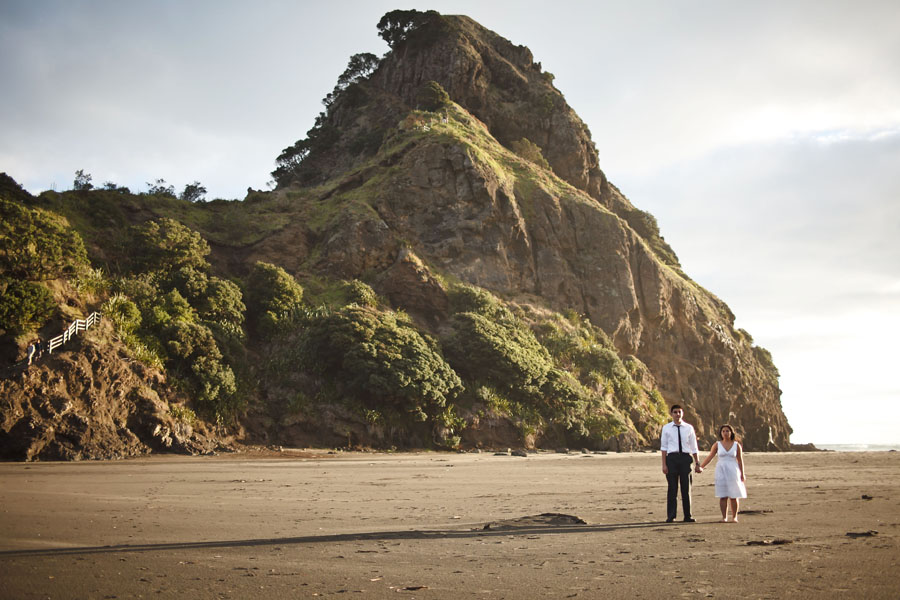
(433, 525)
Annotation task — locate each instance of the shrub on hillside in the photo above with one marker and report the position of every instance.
(467, 298)
(380, 360)
(124, 313)
(501, 353)
(126, 317)
(91, 281)
(214, 299)
(565, 402)
(646, 226)
(190, 280)
(198, 361)
(360, 293)
(139, 288)
(587, 352)
(272, 296)
(165, 246)
(37, 245)
(432, 96)
(604, 424)
(222, 302)
(765, 359)
(530, 151)
(24, 305)
(159, 314)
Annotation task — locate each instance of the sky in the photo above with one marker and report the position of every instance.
(764, 136)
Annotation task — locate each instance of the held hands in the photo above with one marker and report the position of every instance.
(699, 469)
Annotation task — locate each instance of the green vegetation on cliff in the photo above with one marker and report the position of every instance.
(169, 306)
(380, 359)
(36, 247)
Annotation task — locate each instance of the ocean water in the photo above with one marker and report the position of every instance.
(859, 447)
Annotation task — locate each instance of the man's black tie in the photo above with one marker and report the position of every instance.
(678, 432)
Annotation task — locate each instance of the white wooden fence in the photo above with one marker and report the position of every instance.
(73, 329)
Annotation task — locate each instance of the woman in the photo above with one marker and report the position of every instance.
(730, 474)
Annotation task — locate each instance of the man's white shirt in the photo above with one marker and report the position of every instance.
(668, 440)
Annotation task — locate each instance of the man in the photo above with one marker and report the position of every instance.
(678, 444)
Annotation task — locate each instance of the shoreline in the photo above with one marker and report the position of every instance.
(259, 452)
(860, 447)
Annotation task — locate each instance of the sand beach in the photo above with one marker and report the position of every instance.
(305, 524)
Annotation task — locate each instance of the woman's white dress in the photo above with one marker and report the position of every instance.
(728, 474)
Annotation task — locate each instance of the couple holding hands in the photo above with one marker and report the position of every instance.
(678, 444)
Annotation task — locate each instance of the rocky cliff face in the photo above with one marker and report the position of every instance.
(501, 85)
(447, 195)
(86, 402)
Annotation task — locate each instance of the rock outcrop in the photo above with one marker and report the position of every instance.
(464, 204)
(91, 401)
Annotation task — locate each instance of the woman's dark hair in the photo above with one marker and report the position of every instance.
(730, 428)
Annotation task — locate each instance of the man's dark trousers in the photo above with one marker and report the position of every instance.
(679, 465)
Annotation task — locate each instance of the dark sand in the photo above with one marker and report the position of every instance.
(413, 526)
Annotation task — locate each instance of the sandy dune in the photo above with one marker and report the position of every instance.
(444, 526)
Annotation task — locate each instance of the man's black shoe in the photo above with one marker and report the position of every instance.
(690, 520)
(669, 520)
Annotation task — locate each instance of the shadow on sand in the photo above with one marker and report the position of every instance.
(546, 524)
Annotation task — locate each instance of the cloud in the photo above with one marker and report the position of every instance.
(801, 238)
(677, 81)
